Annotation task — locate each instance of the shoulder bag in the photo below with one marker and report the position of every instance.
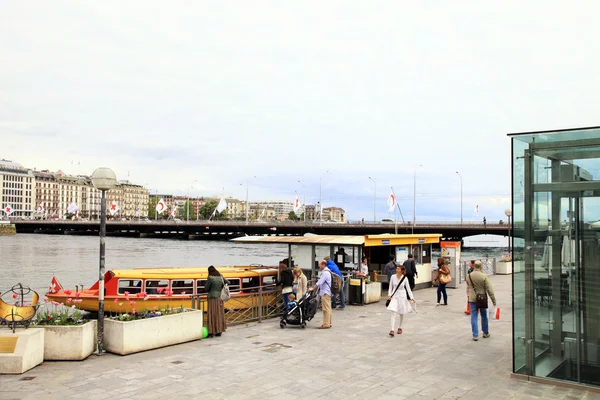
(225, 291)
(387, 303)
(482, 299)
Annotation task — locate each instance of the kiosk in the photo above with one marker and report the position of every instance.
(451, 252)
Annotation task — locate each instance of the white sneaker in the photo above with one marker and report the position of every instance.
(437, 304)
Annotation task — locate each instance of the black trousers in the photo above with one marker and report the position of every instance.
(411, 281)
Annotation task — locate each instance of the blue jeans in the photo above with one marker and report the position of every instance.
(286, 301)
(442, 290)
(484, 320)
(341, 296)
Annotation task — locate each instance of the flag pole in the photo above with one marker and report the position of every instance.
(399, 209)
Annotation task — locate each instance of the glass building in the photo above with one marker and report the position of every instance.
(556, 255)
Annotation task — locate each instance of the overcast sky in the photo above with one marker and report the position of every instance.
(169, 93)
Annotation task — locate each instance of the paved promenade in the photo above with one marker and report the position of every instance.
(434, 358)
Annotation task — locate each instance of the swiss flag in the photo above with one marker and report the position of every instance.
(296, 204)
(55, 286)
(8, 209)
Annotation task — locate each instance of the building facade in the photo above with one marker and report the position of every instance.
(47, 194)
(336, 214)
(18, 190)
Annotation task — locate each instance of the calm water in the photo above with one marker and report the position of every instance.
(34, 259)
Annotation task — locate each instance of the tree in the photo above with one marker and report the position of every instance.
(152, 208)
(292, 216)
(188, 205)
(208, 208)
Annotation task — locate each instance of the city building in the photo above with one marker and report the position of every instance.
(235, 208)
(18, 189)
(334, 214)
(555, 256)
(311, 212)
(134, 203)
(261, 213)
(47, 194)
(282, 208)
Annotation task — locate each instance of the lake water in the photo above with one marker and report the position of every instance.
(34, 259)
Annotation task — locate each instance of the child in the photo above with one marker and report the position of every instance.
(292, 303)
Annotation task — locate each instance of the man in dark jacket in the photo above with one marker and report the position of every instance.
(390, 268)
(411, 271)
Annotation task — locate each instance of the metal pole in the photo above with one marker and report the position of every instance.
(304, 207)
(320, 201)
(101, 274)
(374, 201)
(155, 204)
(187, 212)
(414, 201)
(461, 198)
(247, 201)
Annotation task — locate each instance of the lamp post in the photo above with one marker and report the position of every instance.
(304, 204)
(508, 213)
(103, 179)
(374, 201)
(415, 199)
(187, 213)
(321, 197)
(461, 198)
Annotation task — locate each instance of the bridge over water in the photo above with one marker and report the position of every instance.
(229, 229)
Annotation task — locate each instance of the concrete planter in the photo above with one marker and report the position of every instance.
(22, 350)
(145, 334)
(69, 343)
(372, 292)
(504, 268)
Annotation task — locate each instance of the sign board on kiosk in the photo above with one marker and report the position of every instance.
(451, 252)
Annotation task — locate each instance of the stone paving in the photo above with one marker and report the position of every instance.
(434, 358)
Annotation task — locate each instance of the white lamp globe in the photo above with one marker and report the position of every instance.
(508, 212)
(104, 178)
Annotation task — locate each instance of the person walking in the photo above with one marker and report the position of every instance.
(324, 285)
(411, 271)
(443, 279)
(471, 267)
(216, 311)
(480, 285)
(399, 294)
(390, 268)
(334, 268)
(300, 283)
(286, 281)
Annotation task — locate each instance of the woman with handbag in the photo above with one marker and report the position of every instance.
(480, 288)
(216, 312)
(399, 294)
(443, 278)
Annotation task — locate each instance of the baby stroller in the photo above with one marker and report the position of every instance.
(302, 312)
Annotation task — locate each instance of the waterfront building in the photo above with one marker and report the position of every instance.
(261, 213)
(235, 208)
(47, 194)
(311, 212)
(282, 208)
(135, 200)
(555, 253)
(70, 190)
(336, 214)
(18, 189)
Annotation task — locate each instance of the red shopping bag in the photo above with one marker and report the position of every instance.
(495, 313)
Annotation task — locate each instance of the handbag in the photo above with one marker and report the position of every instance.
(482, 299)
(387, 303)
(445, 279)
(225, 295)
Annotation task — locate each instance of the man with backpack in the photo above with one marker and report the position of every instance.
(324, 284)
(337, 289)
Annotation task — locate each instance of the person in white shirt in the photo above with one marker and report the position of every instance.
(364, 268)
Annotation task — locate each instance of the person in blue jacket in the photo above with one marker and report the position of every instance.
(334, 268)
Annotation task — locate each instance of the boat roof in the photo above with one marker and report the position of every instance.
(190, 272)
(348, 240)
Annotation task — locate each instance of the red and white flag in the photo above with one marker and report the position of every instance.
(40, 209)
(174, 213)
(477, 209)
(161, 206)
(391, 202)
(296, 204)
(55, 286)
(8, 209)
(114, 208)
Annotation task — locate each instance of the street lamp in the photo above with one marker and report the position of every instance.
(247, 205)
(321, 197)
(508, 213)
(461, 198)
(374, 201)
(187, 213)
(415, 199)
(103, 179)
(304, 207)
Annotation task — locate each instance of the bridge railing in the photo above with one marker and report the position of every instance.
(488, 267)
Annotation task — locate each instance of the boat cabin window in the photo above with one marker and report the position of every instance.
(250, 284)
(133, 286)
(200, 283)
(182, 287)
(156, 286)
(234, 285)
(270, 280)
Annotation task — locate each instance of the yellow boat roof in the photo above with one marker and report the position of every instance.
(187, 272)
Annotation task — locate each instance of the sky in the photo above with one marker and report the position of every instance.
(211, 96)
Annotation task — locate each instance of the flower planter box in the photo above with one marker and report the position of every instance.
(145, 334)
(504, 268)
(69, 342)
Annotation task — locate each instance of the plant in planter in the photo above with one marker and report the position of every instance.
(132, 332)
(68, 333)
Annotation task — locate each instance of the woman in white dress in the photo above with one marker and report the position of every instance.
(399, 294)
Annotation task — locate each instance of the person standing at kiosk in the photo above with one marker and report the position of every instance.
(411, 271)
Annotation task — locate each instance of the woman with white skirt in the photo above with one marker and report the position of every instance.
(399, 295)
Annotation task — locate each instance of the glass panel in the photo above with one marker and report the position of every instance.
(200, 283)
(132, 286)
(156, 286)
(182, 287)
(234, 285)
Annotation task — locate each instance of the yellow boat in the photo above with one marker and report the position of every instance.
(158, 288)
